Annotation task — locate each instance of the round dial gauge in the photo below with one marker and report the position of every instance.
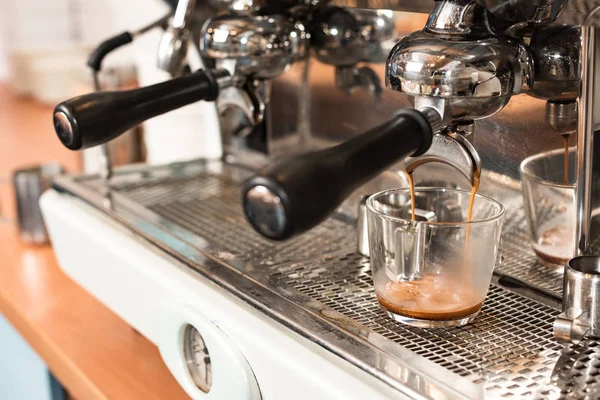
(197, 358)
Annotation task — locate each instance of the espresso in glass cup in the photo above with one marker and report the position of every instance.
(434, 271)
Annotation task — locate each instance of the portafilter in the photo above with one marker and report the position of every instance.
(455, 71)
(249, 48)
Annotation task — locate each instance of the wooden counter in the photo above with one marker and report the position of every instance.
(93, 353)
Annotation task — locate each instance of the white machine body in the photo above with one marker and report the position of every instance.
(252, 356)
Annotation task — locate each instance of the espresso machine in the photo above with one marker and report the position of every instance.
(250, 274)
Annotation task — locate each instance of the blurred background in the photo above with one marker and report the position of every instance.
(43, 50)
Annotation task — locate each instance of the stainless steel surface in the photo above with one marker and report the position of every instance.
(458, 66)
(581, 312)
(455, 151)
(321, 288)
(575, 375)
(562, 116)
(511, 12)
(253, 6)
(65, 127)
(350, 78)
(263, 47)
(475, 76)
(578, 12)
(183, 13)
(517, 259)
(585, 141)
(29, 184)
(457, 55)
(172, 48)
(249, 6)
(344, 37)
(432, 109)
(557, 65)
(262, 6)
(252, 107)
(517, 11)
(265, 210)
(251, 98)
(455, 17)
(255, 49)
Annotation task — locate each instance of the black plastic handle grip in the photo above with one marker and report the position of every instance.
(294, 195)
(97, 56)
(96, 118)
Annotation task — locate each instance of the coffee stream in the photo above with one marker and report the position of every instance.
(474, 190)
(429, 297)
(411, 183)
(566, 162)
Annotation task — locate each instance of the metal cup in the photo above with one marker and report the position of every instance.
(29, 184)
(581, 309)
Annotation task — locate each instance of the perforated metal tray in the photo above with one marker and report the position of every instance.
(320, 287)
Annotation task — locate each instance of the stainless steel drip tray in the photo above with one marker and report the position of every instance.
(320, 287)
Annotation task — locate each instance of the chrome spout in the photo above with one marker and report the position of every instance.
(172, 49)
(452, 149)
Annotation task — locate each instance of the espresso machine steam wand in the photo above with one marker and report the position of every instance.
(95, 62)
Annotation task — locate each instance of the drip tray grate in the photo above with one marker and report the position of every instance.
(518, 261)
(510, 339)
(209, 206)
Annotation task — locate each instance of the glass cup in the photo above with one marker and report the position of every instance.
(435, 271)
(549, 205)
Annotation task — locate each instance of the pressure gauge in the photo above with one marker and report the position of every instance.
(197, 358)
(185, 337)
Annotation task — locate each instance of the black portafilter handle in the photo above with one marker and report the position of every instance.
(294, 195)
(97, 118)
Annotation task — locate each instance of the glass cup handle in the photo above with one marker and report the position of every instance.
(410, 243)
(410, 252)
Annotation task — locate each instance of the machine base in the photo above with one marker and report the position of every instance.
(315, 291)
